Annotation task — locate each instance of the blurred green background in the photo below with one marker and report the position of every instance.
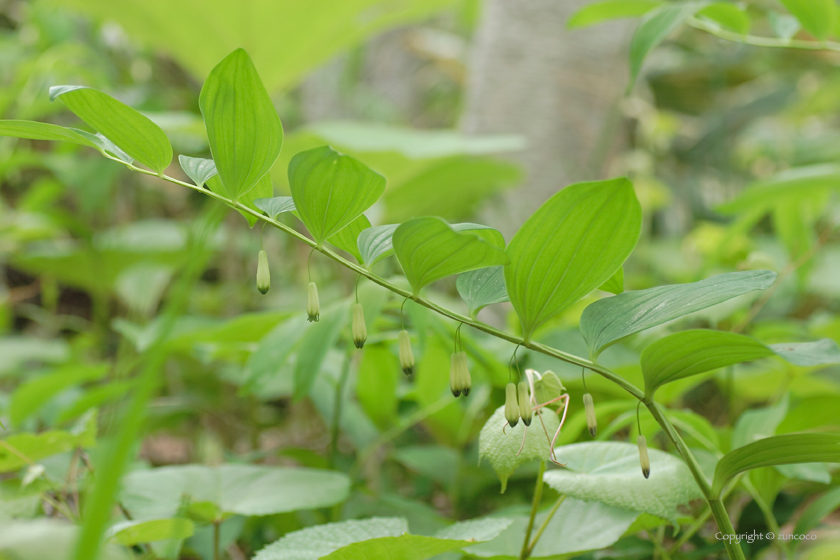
(473, 111)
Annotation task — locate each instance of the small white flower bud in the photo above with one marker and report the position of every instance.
(313, 306)
(511, 407)
(406, 355)
(591, 419)
(263, 273)
(359, 328)
(464, 374)
(643, 455)
(454, 378)
(525, 403)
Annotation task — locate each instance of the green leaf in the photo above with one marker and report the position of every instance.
(35, 392)
(818, 17)
(609, 472)
(574, 243)
(243, 129)
(273, 351)
(548, 388)
(482, 287)
(130, 533)
(783, 187)
(611, 9)
(347, 238)
(728, 16)
(501, 447)
(198, 169)
(35, 447)
(232, 489)
(319, 338)
(429, 249)
(38, 539)
(615, 285)
(688, 353)
(656, 25)
(263, 189)
(777, 450)
(576, 527)
(33, 130)
(491, 235)
(273, 207)
(692, 352)
(783, 25)
(129, 130)
(611, 319)
(376, 243)
(759, 423)
(379, 538)
(817, 510)
(331, 190)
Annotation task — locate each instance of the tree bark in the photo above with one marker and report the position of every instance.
(560, 89)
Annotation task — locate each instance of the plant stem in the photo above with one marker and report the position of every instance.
(535, 504)
(548, 517)
(718, 511)
(216, 537)
(733, 549)
(757, 41)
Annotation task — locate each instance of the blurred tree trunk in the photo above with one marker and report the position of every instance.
(560, 89)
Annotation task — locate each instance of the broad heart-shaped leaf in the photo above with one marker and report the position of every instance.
(376, 243)
(129, 130)
(576, 527)
(479, 288)
(232, 489)
(609, 472)
(777, 450)
(198, 169)
(818, 17)
(243, 129)
(347, 238)
(656, 25)
(275, 206)
(501, 447)
(378, 538)
(331, 190)
(610, 9)
(611, 319)
(429, 249)
(688, 353)
(574, 243)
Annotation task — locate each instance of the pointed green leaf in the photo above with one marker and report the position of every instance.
(728, 16)
(598, 12)
(31, 395)
(818, 17)
(379, 538)
(499, 443)
(331, 190)
(615, 285)
(656, 25)
(275, 206)
(429, 249)
(129, 130)
(611, 319)
(347, 238)
(777, 450)
(198, 169)
(232, 489)
(482, 287)
(817, 510)
(608, 472)
(688, 353)
(574, 243)
(491, 235)
(33, 130)
(243, 129)
(262, 190)
(130, 533)
(376, 243)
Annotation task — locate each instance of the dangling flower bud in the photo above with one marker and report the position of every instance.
(643, 455)
(313, 307)
(406, 355)
(511, 408)
(591, 420)
(263, 273)
(464, 371)
(524, 403)
(359, 328)
(454, 377)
